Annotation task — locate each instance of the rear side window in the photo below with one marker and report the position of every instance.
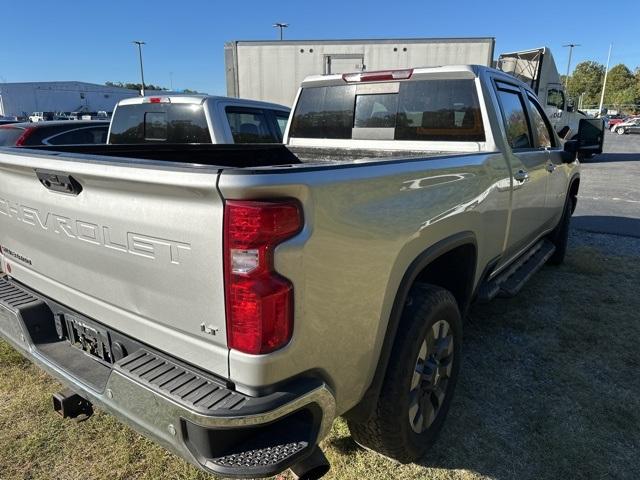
(515, 119)
(421, 110)
(159, 122)
(9, 136)
(250, 125)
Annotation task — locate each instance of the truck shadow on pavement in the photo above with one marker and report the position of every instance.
(626, 226)
(547, 381)
(613, 157)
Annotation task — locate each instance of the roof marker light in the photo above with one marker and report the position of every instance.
(379, 76)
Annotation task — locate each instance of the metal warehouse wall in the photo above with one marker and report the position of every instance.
(22, 99)
(273, 71)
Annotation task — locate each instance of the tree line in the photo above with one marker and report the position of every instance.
(147, 86)
(623, 86)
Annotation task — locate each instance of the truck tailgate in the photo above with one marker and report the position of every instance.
(139, 249)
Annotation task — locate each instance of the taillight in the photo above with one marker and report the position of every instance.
(259, 301)
(380, 76)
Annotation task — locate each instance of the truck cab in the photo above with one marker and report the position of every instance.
(196, 119)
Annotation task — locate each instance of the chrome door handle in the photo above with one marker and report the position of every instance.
(550, 167)
(521, 176)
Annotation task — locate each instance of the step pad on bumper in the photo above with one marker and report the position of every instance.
(186, 387)
(13, 297)
(261, 457)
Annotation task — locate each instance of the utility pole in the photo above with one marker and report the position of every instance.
(139, 43)
(281, 26)
(604, 84)
(571, 46)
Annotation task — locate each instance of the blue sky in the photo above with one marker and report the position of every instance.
(91, 40)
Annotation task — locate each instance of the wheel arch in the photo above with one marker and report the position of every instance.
(428, 267)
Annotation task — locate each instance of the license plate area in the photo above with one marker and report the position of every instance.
(84, 335)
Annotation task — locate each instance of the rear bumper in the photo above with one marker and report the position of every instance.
(196, 416)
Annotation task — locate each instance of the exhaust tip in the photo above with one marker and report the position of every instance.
(313, 467)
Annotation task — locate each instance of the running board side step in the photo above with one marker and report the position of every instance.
(510, 282)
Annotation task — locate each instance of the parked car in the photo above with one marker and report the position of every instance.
(7, 122)
(196, 119)
(232, 300)
(59, 132)
(615, 120)
(631, 125)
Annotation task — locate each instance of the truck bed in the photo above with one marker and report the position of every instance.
(242, 156)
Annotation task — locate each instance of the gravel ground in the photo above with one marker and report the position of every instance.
(608, 244)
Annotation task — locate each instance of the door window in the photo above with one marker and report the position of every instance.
(515, 119)
(544, 137)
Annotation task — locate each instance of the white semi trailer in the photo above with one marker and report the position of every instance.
(272, 71)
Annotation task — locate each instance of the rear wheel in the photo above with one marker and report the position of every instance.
(420, 379)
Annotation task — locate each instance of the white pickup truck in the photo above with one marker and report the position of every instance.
(196, 119)
(229, 301)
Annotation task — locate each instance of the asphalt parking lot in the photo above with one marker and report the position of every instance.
(609, 198)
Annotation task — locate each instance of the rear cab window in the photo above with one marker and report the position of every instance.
(416, 110)
(159, 122)
(86, 135)
(282, 118)
(251, 125)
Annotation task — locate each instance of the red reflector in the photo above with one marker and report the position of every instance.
(155, 100)
(259, 301)
(383, 75)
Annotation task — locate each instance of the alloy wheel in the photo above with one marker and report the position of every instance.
(431, 376)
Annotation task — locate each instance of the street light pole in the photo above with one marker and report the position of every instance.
(281, 26)
(604, 84)
(571, 47)
(139, 43)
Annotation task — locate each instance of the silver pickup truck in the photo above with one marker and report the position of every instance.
(229, 301)
(196, 119)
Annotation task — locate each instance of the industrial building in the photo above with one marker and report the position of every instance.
(273, 70)
(21, 99)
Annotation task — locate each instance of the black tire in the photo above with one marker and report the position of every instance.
(389, 431)
(560, 236)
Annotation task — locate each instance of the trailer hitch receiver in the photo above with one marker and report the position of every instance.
(71, 405)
